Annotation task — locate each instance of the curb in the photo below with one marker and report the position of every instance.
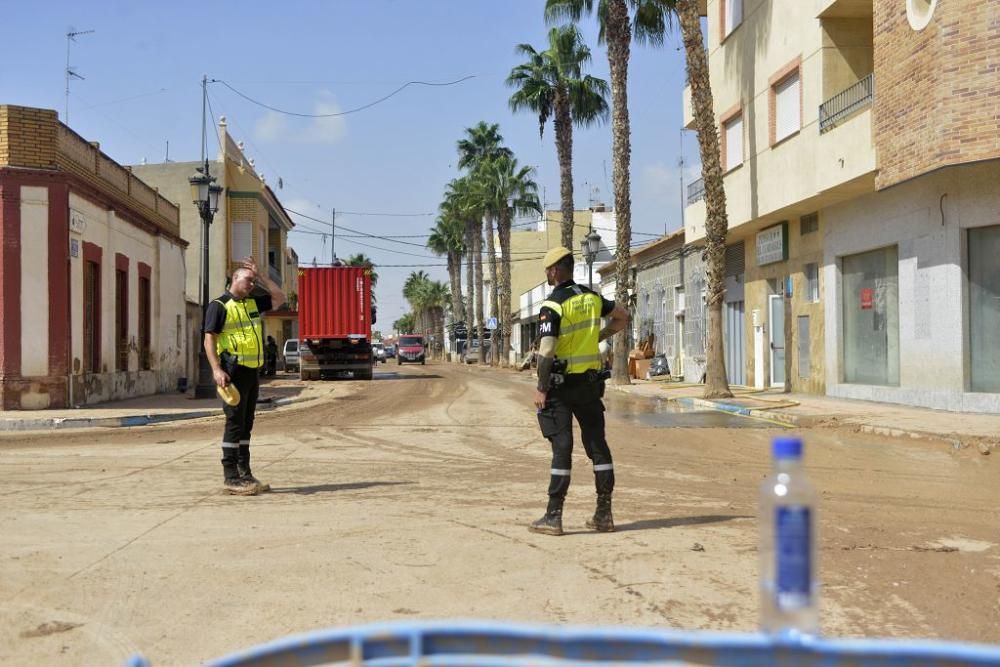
(783, 418)
(61, 423)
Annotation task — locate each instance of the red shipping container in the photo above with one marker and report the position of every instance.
(335, 302)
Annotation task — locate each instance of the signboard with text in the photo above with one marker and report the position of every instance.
(772, 244)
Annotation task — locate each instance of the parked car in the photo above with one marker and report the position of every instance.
(378, 353)
(291, 354)
(411, 350)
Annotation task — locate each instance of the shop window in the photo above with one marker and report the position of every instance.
(984, 308)
(870, 301)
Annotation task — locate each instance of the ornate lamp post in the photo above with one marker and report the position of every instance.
(590, 245)
(205, 194)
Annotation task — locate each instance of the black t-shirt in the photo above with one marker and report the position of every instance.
(549, 319)
(215, 314)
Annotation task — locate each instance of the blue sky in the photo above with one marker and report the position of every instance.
(144, 62)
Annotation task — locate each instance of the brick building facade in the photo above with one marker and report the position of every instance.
(92, 261)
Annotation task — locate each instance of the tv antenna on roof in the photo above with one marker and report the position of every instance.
(71, 72)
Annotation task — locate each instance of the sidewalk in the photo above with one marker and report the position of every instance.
(274, 392)
(805, 410)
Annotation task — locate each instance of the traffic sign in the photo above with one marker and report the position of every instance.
(491, 323)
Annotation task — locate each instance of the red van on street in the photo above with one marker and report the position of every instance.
(411, 350)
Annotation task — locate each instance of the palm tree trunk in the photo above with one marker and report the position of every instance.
(563, 121)
(618, 40)
(455, 284)
(494, 307)
(480, 315)
(716, 224)
(470, 263)
(503, 342)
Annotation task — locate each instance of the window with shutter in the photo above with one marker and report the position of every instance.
(787, 107)
(733, 15)
(734, 142)
(241, 241)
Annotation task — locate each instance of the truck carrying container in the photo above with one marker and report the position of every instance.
(335, 322)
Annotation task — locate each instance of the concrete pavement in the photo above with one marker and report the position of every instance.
(961, 429)
(285, 389)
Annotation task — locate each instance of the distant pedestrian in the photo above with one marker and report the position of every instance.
(270, 357)
(235, 350)
(571, 384)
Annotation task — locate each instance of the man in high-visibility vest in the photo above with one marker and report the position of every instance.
(234, 345)
(571, 384)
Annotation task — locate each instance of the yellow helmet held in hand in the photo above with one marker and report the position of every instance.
(229, 394)
(554, 255)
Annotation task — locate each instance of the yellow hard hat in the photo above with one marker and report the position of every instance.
(554, 255)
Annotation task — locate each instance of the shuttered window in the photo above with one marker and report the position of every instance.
(91, 317)
(242, 240)
(121, 320)
(734, 142)
(733, 15)
(787, 107)
(736, 259)
(144, 324)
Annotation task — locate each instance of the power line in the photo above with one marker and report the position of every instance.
(349, 111)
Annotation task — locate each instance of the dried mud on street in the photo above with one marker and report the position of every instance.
(408, 498)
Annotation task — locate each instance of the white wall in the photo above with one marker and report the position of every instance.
(925, 219)
(35, 282)
(165, 258)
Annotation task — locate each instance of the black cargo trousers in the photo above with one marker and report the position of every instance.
(578, 396)
(239, 418)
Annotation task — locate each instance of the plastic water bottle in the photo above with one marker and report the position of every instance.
(788, 584)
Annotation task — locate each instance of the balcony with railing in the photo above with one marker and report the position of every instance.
(845, 103)
(695, 191)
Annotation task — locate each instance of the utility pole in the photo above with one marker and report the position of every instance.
(70, 73)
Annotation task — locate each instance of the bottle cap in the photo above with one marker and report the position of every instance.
(787, 448)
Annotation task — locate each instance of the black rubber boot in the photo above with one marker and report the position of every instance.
(551, 521)
(602, 521)
(234, 484)
(243, 467)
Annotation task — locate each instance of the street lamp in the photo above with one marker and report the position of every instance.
(590, 245)
(205, 194)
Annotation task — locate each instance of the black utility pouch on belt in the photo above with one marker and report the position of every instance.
(228, 362)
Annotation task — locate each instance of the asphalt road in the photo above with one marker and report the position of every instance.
(408, 497)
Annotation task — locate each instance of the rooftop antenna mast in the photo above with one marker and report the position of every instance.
(70, 71)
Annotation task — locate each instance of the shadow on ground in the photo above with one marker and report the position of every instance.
(333, 488)
(674, 522)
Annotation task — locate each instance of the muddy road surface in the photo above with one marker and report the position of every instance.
(408, 497)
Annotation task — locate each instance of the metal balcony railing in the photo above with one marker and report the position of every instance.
(696, 191)
(846, 102)
(275, 275)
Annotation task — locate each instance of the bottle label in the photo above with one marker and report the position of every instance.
(793, 550)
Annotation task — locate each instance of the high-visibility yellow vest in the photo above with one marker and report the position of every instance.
(242, 334)
(579, 328)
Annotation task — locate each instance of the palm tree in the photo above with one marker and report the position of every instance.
(483, 143)
(404, 324)
(510, 191)
(551, 84)
(448, 238)
(616, 30)
(434, 297)
(464, 199)
(412, 293)
(716, 222)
